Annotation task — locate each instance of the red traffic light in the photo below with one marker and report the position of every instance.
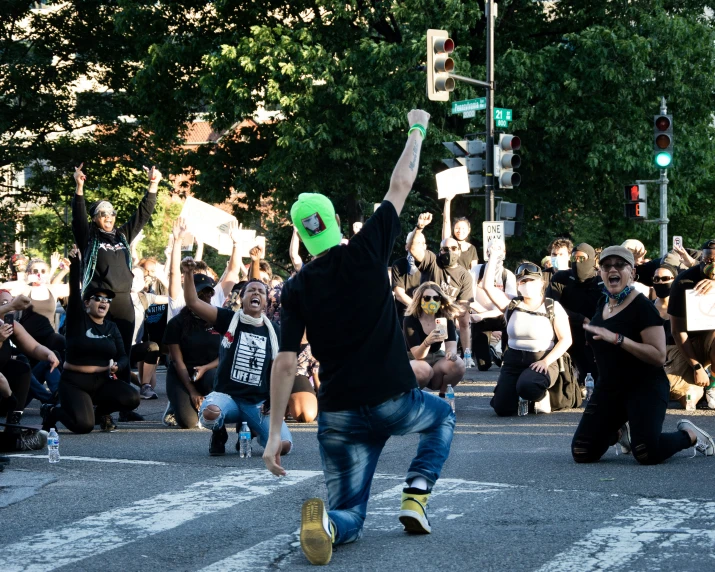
(632, 192)
(662, 123)
(443, 45)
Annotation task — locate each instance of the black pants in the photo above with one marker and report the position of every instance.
(517, 379)
(121, 312)
(186, 415)
(644, 409)
(18, 376)
(582, 357)
(81, 392)
(480, 340)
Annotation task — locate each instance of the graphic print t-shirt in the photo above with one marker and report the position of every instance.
(244, 369)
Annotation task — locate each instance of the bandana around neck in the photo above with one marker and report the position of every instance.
(622, 295)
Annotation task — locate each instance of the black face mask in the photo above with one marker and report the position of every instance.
(448, 259)
(584, 270)
(662, 290)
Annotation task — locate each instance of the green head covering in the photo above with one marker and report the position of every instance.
(314, 216)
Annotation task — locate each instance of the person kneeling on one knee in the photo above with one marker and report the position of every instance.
(434, 367)
(538, 337)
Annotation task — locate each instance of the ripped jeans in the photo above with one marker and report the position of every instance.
(238, 411)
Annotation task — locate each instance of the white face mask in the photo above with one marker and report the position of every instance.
(532, 289)
(560, 262)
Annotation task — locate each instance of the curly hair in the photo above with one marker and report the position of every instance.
(561, 242)
(447, 309)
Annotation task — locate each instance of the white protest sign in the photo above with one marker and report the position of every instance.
(247, 239)
(699, 311)
(452, 182)
(491, 230)
(209, 224)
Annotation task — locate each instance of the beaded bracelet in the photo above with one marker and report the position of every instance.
(418, 127)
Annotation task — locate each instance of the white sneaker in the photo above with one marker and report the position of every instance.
(624, 441)
(710, 397)
(543, 406)
(705, 444)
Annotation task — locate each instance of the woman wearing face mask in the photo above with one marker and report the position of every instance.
(631, 394)
(434, 367)
(95, 351)
(106, 255)
(536, 340)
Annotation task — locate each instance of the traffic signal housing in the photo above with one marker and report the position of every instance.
(471, 155)
(636, 201)
(663, 141)
(439, 65)
(512, 214)
(505, 161)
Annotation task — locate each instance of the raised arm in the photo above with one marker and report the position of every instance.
(230, 276)
(446, 215)
(134, 225)
(206, 312)
(295, 258)
(405, 173)
(255, 271)
(178, 231)
(80, 226)
(418, 248)
(500, 299)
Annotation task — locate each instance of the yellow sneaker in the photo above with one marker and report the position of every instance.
(316, 532)
(413, 512)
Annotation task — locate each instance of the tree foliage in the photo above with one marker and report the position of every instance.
(584, 79)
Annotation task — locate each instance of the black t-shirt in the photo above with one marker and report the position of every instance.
(618, 369)
(401, 278)
(579, 299)
(455, 282)
(415, 334)
(344, 300)
(683, 282)
(155, 323)
(198, 343)
(37, 325)
(87, 342)
(466, 257)
(244, 369)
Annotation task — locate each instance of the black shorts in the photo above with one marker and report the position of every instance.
(302, 383)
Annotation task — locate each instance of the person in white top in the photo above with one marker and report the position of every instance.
(486, 317)
(538, 337)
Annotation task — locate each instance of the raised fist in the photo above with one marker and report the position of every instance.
(418, 116)
(188, 264)
(154, 175)
(424, 219)
(79, 176)
(255, 253)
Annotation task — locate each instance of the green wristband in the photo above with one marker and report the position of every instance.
(420, 128)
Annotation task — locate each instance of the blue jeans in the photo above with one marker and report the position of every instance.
(237, 411)
(351, 442)
(41, 373)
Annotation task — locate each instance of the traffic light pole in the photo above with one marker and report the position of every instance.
(490, 9)
(663, 184)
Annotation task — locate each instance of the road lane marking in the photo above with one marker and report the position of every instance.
(261, 556)
(628, 535)
(92, 459)
(106, 531)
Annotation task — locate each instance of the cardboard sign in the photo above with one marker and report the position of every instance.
(699, 311)
(452, 182)
(209, 224)
(491, 230)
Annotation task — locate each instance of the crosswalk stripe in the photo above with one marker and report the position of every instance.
(628, 535)
(106, 531)
(258, 557)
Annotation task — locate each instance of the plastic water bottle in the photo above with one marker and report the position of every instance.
(589, 387)
(689, 402)
(244, 439)
(710, 393)
(53, 446)
(523, 407)
(450, 397)
(468, 358)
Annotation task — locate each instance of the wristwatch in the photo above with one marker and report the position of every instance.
(697, 366)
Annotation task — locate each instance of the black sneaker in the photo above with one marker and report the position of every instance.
(106, 424)
(31, 440)
(217, 447)
(46, 412)
(495, 358)
(127, 416)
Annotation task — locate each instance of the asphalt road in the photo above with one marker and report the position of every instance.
(511, 498)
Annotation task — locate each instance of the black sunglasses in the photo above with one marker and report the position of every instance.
(436, 298)
(106, 214)
(448, 248)
(101, 299)
(659, 279)
(527, 268)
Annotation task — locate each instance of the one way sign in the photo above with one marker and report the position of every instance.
(491, 229)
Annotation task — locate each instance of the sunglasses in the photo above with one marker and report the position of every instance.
(436, 298)
(659, 279)
(527, 268)
(38, 271)
(106, 214)
(101, 299)
(448, 248)
(575, 258)
(618, 265)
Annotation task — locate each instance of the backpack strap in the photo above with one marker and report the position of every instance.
(511, 307)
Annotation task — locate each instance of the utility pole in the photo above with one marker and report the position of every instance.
(491, 14)
(663, 184)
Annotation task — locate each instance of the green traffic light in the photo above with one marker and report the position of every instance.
(663, 160)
